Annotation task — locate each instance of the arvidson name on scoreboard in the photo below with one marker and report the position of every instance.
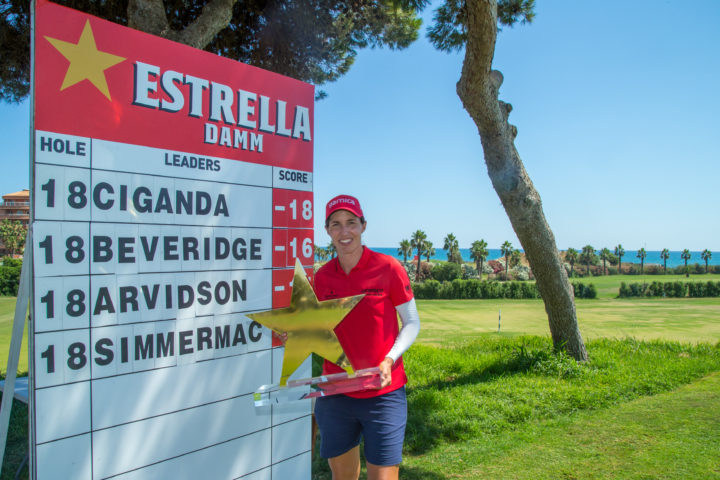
(245, 109)
(170, 296)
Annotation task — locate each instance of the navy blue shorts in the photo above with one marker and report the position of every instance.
(379, 420)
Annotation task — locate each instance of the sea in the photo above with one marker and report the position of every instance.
(653, 256)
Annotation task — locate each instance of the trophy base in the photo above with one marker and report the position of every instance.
(321, 386)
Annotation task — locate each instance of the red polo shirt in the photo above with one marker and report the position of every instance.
(368, 332)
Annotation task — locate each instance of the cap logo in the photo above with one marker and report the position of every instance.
(341, 200)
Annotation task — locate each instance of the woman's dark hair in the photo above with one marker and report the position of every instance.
(327, 221)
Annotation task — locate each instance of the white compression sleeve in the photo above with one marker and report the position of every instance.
(410, 321)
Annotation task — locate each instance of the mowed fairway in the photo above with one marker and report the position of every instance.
(446, 321)
(688, 320)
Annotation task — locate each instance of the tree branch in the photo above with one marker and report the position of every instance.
(477, 66)
(148, 16)
(215, 16)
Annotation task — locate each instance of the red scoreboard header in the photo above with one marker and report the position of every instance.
(146, 91)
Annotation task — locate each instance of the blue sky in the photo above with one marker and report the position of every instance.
(616, 105)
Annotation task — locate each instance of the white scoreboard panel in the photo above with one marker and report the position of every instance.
(147, 256)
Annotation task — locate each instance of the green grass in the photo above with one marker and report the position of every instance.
(688, 319)
(484, 404)
(509, 408)
(7, 317)
(670, 435)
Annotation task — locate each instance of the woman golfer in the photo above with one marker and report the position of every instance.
(370, 337)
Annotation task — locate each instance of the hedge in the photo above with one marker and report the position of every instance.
(474, 289)
(584, 290)
(670, 289)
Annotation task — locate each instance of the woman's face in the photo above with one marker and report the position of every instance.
(345, 231)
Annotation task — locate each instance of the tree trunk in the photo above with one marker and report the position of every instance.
(149, 16)
(478, 89)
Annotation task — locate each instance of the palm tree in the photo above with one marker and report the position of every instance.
(515, 258)
(429, 250)
(685, 255)
(587, 256)
(706, 255)
(331, 251)
(479, 252)
(321, 253)
(641, 254)
(665, 254)
(506, 249)
(605, 256)
(571, 255)
(619, 251)
(453, 249)
(405, 249)
(418, 241)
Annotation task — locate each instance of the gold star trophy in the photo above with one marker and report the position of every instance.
(309, 325)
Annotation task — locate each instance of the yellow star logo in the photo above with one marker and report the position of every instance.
(309, 324)
(86, 61)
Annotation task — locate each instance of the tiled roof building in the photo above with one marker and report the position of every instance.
(15, 206)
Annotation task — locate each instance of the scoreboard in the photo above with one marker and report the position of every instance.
(172, 193)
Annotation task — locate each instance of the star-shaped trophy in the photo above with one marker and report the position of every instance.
(309, 324)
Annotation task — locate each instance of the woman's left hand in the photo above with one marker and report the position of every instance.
(385, 372)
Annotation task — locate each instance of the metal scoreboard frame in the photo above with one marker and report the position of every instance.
(172, 191)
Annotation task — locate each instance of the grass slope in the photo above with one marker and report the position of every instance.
(667, 436)
(477, 406)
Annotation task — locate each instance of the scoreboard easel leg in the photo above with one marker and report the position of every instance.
(21, 306)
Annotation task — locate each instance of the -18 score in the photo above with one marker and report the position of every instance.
(292, 209)
(307, 210)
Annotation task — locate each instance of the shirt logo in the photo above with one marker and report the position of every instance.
(375, 292)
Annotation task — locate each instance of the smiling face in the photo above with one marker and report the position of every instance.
(345, 230)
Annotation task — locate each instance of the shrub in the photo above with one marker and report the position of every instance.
(411, 268)
(496, 266)
(426, 290)
(653, 269)
(446, 271)
(522, 273)
(679, 270)
(584, 291)
(468, 271)
(10, 276)
(11, 262)
(696, 289)
(677, 289)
